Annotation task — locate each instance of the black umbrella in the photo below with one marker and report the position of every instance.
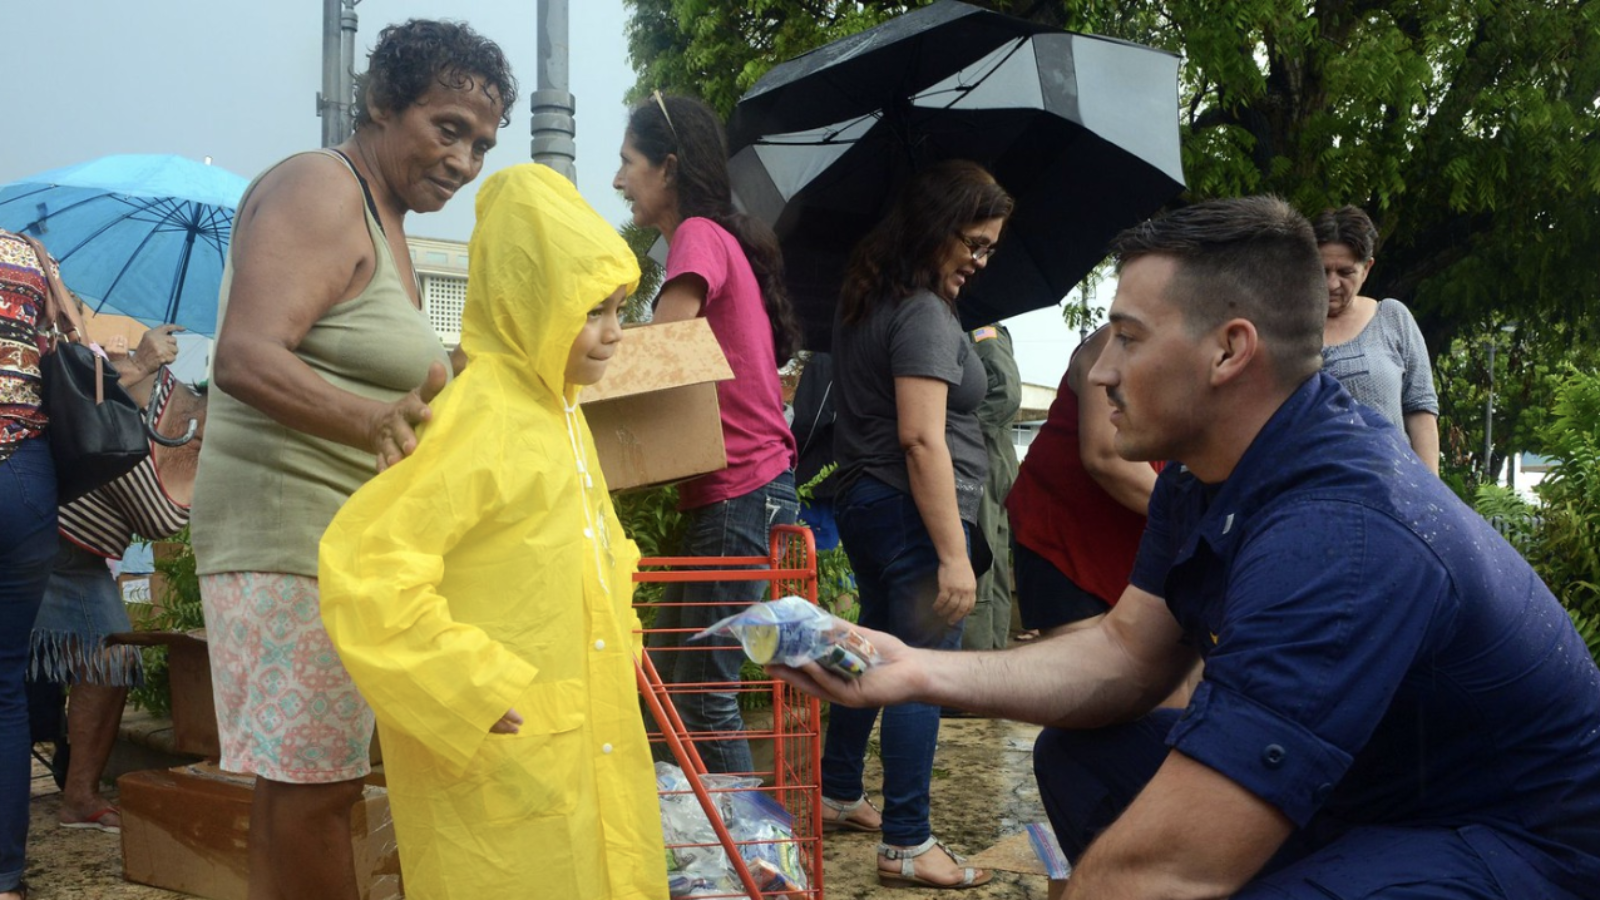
(1082, 130)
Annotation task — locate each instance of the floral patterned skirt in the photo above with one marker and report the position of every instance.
(286, 708)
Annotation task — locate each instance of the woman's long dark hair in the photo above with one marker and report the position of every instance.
(695, 136)
(901, 254)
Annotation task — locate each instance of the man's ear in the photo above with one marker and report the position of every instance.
(1238, 345)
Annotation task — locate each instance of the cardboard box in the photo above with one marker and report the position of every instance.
(187, 829)
(194, 712)
(654, 416)
(116, 334)
(135, 589)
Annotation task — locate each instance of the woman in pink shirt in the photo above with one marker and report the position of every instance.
(723, 266)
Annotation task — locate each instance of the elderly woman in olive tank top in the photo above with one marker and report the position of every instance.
(320, 354)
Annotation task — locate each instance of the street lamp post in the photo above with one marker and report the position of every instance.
(554, 130)
(1488, 412)
(338, 69)
(1488, 423)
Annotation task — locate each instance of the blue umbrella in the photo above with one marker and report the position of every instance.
(141, 235)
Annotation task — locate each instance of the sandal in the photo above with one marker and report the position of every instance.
(838, 816)
(97, 821)
(908, 877)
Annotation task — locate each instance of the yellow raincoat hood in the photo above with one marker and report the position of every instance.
(488, 572)
(540, 259)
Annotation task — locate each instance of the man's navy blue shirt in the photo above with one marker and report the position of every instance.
(1375, 652)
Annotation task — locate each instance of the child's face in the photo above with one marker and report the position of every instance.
(591, 351)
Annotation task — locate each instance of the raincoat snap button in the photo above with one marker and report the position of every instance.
(599, 645)
(588, 532)
(1273, 756)
(605, 748)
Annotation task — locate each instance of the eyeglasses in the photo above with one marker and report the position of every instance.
(980, 249)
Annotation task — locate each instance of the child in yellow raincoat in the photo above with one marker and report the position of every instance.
(479, 591)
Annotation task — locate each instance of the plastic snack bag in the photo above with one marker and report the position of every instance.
(791, 631)
(696, 862)
(765, 831)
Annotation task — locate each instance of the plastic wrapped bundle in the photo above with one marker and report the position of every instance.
(792, 631)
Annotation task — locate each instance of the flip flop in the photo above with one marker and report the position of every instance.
(97, 821)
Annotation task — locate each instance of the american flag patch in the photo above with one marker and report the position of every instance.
(987, 332)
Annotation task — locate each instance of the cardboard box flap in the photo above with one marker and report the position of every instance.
(657, 357)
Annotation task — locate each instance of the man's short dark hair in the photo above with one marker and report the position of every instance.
(412, 57)
(1348, 225)
(1248, 257)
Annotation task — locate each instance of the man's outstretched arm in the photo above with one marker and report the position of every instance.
(1115, 671)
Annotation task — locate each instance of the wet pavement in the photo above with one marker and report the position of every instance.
(983, 791)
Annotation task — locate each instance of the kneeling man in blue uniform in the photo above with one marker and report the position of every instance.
(1394, 706)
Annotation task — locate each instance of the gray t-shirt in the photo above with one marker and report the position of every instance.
(1386, 366)
(919, 336)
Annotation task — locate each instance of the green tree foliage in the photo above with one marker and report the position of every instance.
(1467, 128)
(717, 49)
(1568, 556)
(636, 307)
(1532, 361)
(1560, 536)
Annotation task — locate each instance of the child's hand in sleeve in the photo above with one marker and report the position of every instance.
(509, 723)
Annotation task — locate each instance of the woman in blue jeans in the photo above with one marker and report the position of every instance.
(725, 267)
(27, 533)
(911, 468)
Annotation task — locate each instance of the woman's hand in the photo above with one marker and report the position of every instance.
(958, 589)
(392, 431)
(156, 348)
(510, 723)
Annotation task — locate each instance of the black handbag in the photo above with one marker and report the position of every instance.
(96, 429)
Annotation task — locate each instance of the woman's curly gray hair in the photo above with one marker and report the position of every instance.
(418, 54)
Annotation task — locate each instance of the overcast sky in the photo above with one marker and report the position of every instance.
(237, 81)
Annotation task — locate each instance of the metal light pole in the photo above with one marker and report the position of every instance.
(1488, 423)
(338, 69)
(553, 105)
(1488, 412)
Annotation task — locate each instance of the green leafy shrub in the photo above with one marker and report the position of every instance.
(836, 581)
(1515, 518)
(1588, 629)
(1567, 554)
(1560, 537)
(651, 518)
(176, 609)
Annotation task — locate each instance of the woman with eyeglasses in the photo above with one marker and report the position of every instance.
(911, 472)
(725, 267)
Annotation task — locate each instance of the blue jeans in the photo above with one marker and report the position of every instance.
(896, 569)
(27, 551)
(737, 527)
